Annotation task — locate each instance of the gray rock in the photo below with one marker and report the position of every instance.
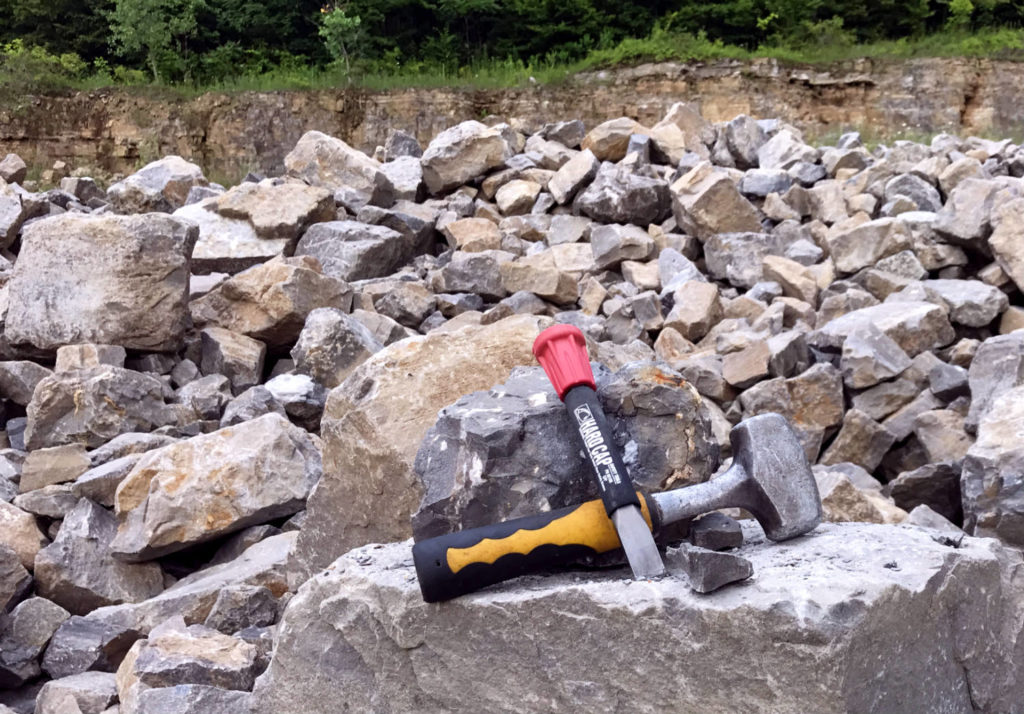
(738, 257)
(617, 195)
(78, 572)
(13, 214)
(82, 644)
(870, 356)
(15, 580)
(19, 379)
(863, 245)
(784, 150)
(934, 485)
(92, 692)
(970, 302)
(924, 517)
(237, 357)
(708, 570)
(611, 244)
(478, 273)
(401, 143)
(705, 202)
(331, 345)
(24, 635)
(191, 598)
(13, 169)
(407, 303)
(966, 217)
(924, 195)
(997, 367)
(948, 381)
(250, 404)
(406, 176)
(120, 280)
(99, 483)
(194, 699)
(241, 606)
(161, 185)
(302, 398)
(192, 655)
(915, 326)
(901, 423)
(993, 499)
(567, 133)
(760, 182)
(214, 484)
(716, 531)
(886, 652)
(206, 397)
(54, 501)
(503, 453)
(350, 250)
(744, 137)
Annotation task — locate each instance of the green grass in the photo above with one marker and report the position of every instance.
(823, 49)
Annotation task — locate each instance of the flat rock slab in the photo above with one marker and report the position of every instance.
(851, 618)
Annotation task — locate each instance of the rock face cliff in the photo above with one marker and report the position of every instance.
(116, 131)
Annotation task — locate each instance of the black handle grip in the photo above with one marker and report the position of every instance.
(459, 563)
(605, 458)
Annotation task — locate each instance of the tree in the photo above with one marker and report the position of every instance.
(340, 34)
(158, 29)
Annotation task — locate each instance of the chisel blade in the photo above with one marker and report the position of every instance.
(638, 542)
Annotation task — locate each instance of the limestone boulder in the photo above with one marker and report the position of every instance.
(705, 202)
(914, 326)
(15, 580)
(841, 620)
(509, 451)
(331, 345)
(355, 179)
(24, 635)
(162, 185)
(375, 420)
(13, 213)
(277, 209)
(90, 692)
(997, 367)
(270, 302)
(618, 195)
(227, 245)
(20, 532)
(214, 484)
(92, 406)
(608, 141)
(462, 153)
(993, 493)
(120, 280)
(18, 379)
(350, 250)
(78, 572)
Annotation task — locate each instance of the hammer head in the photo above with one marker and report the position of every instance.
(777, 485)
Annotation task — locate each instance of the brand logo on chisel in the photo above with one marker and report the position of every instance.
(594, 443)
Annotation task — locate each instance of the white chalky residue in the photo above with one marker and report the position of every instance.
(631, 453)
(536, 400)
(295, 386)
(476, 470)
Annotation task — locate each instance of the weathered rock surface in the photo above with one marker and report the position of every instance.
(458, 155)
(24, 635)
(511, 451)
(355, 178)
(119, 280)
(162, 185)
(92, 406)
(20, 532)
(270, 302)
(375, 420)
(213, 484)
(350, 250)
(888, 652)
(331, 345)
(993, 490)
(78, 572)
(92, 693)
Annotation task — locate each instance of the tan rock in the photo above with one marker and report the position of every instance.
(1007, 239)
(473, 235)
(58, 464)
(374, 422)
(942, 435)
(861, 441)
(540, 275)
(705, 201)
(747, 366)
(277, 210)
(517, 197)
(213, 484)
(796, 280)
(354, 177)
(671, 346)
(462, 153)
(608, 141)
(644, 275)
(83, 356)
(697, 309)
(842, 501)
(1012, 320)
(592, 295)
(270, 302)
(20, 532)
(573, 257)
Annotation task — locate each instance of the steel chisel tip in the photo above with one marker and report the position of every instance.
(638, 542)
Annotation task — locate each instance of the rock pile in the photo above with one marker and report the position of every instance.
(184, 368)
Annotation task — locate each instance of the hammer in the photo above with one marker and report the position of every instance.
(769, 477)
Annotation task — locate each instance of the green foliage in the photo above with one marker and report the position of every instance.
(341, 34)
(23, 68)
(159, 30)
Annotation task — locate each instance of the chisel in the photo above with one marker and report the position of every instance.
(562, 352)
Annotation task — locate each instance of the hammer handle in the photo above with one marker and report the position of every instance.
(459, 563)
